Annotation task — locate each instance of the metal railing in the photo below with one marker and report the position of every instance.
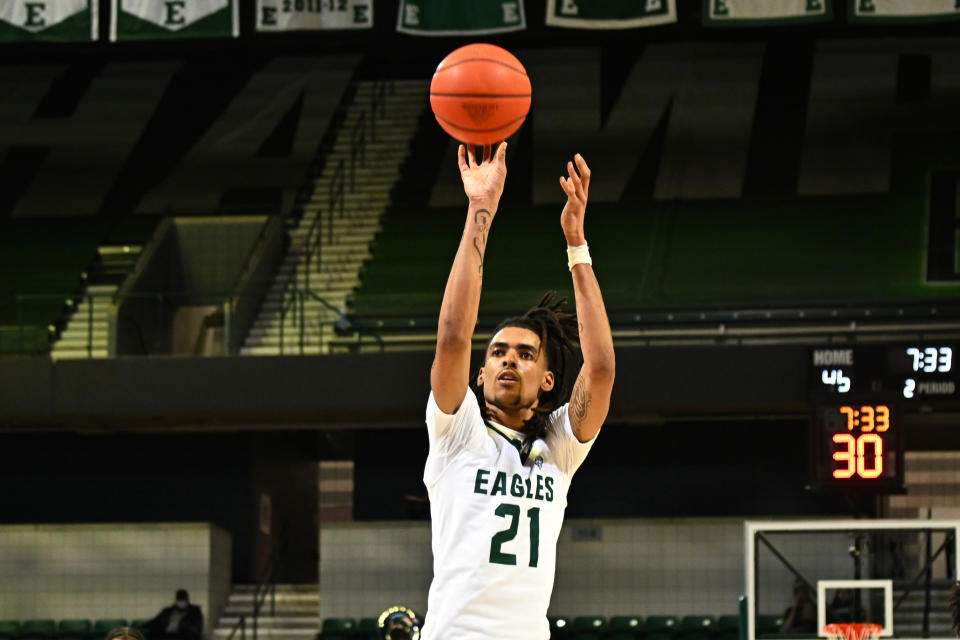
(266, 587)
(363, 131)
(308, 322)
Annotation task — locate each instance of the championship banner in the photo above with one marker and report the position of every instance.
(610, 14)
(311, 15)
(459, 17)
(48, 20)
(173, 19)
(903, 10)
(748, 13)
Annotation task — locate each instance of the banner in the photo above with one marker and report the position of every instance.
(48, 20)
(903, 10)
(165, 19)
(610, 14)
(457, 17)
(310, 15)
(747, 13)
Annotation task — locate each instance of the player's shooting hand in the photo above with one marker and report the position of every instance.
(483, 181)
(576, 187)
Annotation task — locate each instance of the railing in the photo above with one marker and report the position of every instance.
(294, 314)
(307, 319)
(266, 587)
(364, 131)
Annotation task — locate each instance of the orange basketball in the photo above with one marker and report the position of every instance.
(480, 94)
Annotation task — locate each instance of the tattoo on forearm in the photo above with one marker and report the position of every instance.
(481, 217)
(579, 403)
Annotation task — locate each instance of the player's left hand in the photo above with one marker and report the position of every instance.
(576, 187)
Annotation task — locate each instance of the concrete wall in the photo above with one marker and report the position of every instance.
(111, 570)
(644, 567)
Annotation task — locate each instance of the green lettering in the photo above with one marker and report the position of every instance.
(34, 14)
(478, 486)
(360, 15)
(867, 6)
(720, 8)
(500, 484)
(175, 12)
(549, 483)
(534, 515)
(529, 488)
(497, 556)
(539, 488)
(516, 486)
(814, 5)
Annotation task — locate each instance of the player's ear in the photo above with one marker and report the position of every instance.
(548, 381)
(480, 377)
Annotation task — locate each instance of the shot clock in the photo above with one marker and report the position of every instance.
(857, 443)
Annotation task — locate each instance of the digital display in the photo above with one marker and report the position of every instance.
(918, 372)
(857, 442)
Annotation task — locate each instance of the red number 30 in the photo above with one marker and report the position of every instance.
(854, 457)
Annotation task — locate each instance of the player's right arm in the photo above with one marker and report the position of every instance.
(483, 185)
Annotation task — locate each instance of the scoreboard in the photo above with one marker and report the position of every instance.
(857, 395)
(912, 371)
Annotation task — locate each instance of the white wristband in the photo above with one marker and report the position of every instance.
(578, 255)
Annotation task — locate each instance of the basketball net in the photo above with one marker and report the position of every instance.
(853, 631)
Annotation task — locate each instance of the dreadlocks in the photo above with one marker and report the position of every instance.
(559, 337)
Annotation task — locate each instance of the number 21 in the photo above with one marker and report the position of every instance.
(513, 512)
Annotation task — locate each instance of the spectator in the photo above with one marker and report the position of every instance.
(844, 609)
(801, 616)
(182, 621)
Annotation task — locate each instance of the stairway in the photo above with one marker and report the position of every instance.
(346, 238)
(87, 330)
(910, 613)
(295, 614)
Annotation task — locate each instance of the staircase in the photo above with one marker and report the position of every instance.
(331, 265)
(295, 615)
(87, 331)
(910, 613)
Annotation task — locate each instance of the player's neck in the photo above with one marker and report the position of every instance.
(511, 419)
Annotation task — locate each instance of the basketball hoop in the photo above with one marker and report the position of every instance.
(852, 631)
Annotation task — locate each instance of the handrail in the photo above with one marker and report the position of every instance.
(795, 325)
(358, 147)
(296, 303)
(266, 586)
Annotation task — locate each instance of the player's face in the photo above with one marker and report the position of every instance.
(515, 371)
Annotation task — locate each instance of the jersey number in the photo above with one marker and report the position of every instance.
(513, 512)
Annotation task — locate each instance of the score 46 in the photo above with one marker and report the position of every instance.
(853, 457)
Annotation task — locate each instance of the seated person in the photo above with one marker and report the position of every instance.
(182, 621)
(843, 608)
(801, 616)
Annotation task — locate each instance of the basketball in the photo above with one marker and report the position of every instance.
(480, 94)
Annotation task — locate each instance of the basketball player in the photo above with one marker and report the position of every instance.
(502, 455)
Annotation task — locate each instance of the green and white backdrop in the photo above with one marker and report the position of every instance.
(48, 20)
(163, 19)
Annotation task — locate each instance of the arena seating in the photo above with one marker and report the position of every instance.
(67, 629)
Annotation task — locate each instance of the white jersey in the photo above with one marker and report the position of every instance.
(495, 525)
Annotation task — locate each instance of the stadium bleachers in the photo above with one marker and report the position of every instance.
(677, 254)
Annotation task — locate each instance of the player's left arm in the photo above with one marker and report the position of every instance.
(590, 400)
